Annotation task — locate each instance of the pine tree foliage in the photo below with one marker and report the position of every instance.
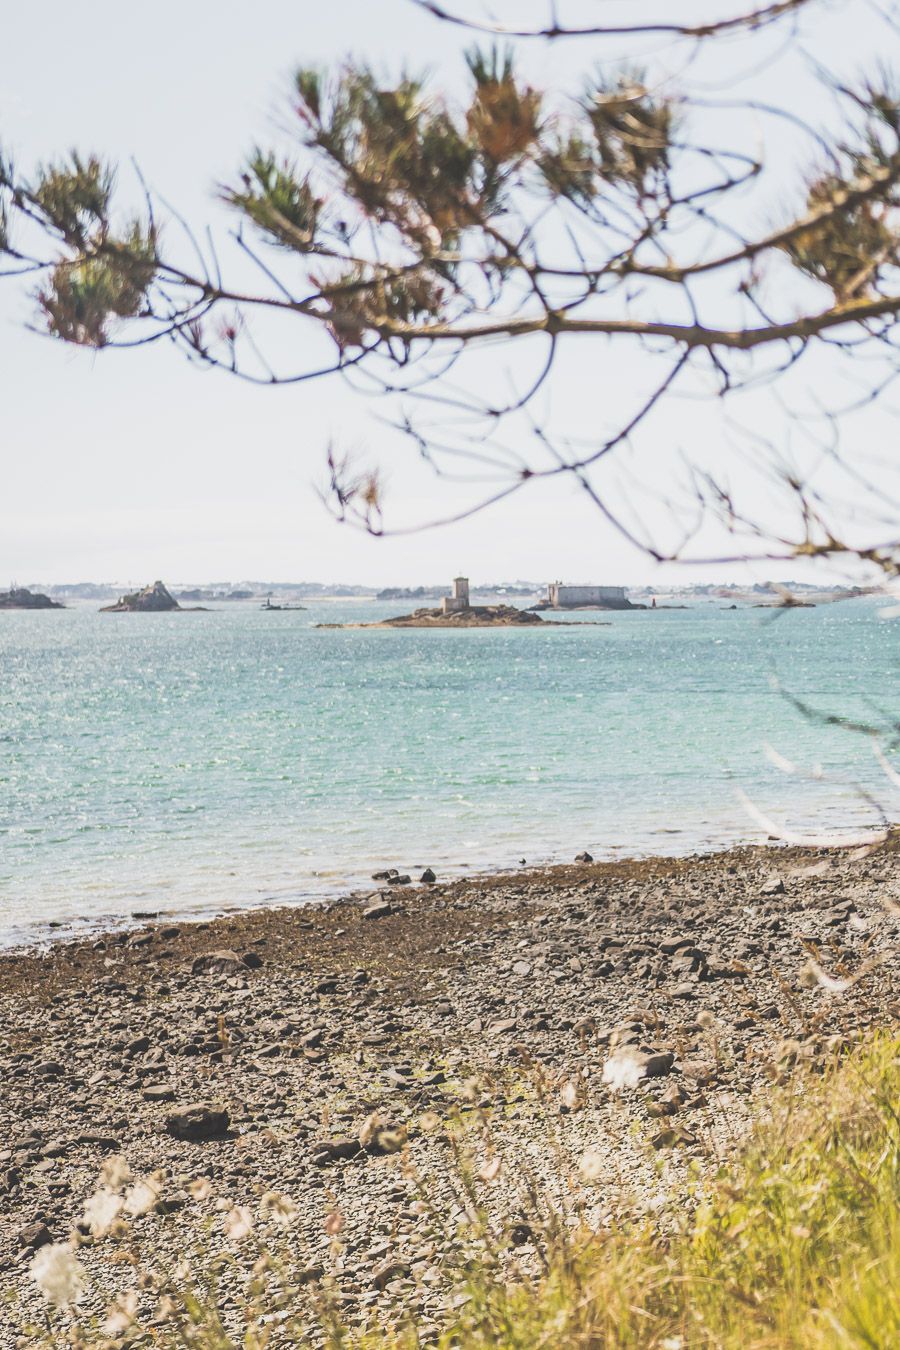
(278, 200)
(410, 223)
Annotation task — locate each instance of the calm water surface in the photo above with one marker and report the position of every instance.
(191, 762)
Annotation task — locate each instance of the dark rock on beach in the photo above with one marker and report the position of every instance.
(34, 1236)
(159, 1092)
(380, 910)
(197, 1122)
(222, 962)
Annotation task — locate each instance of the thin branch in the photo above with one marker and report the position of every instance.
(753, 20)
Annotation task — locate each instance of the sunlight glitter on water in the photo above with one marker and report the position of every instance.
(188, 762)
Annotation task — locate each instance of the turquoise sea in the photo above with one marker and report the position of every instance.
(188, 763)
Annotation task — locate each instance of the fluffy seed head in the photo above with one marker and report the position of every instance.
(60, 1277)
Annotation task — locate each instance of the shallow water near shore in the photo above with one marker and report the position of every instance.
(186, 763)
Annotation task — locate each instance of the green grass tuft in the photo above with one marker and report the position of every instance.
(797, 1245)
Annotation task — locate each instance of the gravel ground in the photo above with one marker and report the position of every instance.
(483, 1024)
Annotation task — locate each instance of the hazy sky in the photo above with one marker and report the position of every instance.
(132, 466)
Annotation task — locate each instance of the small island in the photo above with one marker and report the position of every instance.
(456, 611)
(153, 599)
(21, 598)
(476, 616)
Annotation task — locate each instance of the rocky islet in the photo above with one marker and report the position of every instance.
(153, 599)
(19, 597)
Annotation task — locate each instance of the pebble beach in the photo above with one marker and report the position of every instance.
(580, 1040)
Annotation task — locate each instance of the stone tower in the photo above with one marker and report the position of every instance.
(460, 597)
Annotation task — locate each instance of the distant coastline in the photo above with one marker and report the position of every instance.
(489, 592)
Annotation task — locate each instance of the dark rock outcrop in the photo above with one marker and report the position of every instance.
(477, 616)
(155, 599)
(20, 598)
(603, 606)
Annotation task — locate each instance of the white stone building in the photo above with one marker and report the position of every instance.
(568, 597)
